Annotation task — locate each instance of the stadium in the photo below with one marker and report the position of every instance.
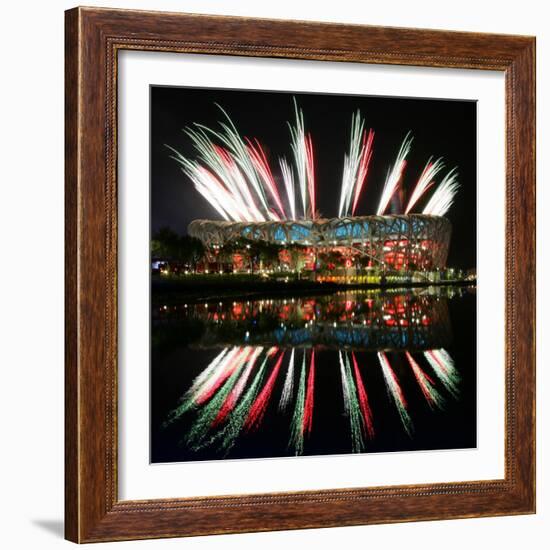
(396, 242)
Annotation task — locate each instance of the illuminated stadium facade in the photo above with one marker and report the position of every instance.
(397, 242)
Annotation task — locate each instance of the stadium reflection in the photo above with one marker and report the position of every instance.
(352, 367)
(369, 320)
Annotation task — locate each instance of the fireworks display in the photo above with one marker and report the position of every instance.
(356, 165)
(395, 175)
(425, 181)
(231, 397)
(395, 391)
(233, 173)
(443, 197)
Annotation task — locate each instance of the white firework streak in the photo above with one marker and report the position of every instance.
(208, 185)
(310, 172)
(208, 371)
(394, 389)
(288, 387)
(218, 185)
(238, 147)
(240, 155)
(288, 180)
(221, 163)
(425, 181)
(234, 359)
(394, 175)
(443, 196)
(355, 165)
(224, 165)
(303, 160)
(345, 384)
(444, 368)
(238, 389)
(194, 172)
(427, 386)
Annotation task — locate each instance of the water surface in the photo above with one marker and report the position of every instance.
(347, 372)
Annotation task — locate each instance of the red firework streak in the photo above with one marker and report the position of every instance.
(213, 179)
(310, 170)
(233, 397)
(363, 400)
(259, 406)
(227, 159)
(259, 160)
(421, 377)
(308, 407)
(396, 390)
(223, 376)
(433, 355)
(366, 155)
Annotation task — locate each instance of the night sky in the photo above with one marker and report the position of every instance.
(441, 128)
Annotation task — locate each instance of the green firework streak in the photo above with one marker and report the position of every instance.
(296, 427)
(229, 434)
(396, 393)
(208, 413)
(351, 404)
(444, 368)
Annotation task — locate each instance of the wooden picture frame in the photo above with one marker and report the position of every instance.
(93, 511)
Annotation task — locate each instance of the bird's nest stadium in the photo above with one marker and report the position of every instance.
(413, 241)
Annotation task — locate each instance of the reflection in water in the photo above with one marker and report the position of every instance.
(231, 395)
(265, 377)
(368, 320)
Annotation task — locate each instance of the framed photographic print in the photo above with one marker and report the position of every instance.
(299, 275)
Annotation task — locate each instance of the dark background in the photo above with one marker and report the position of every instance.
(441, 128)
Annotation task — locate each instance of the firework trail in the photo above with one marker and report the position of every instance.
(215, 382)
(302, 149)
(351, 404)
(296, 427)
(395, 174)
(425, 181)
(220, 181)
(238, 182)
(188, 401)
(444, 368)
(288, 387)
(237, 146)
(427, 385)
(395, 391)
(443, 196)
(233, 397)
(259, 406)
(363, 400)
(356, 164)
(288, 180)
(308, 407)
(233, 175)
(227, 436)
(223, 165)
(210, 411)
(259, 160)
(207, 372)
